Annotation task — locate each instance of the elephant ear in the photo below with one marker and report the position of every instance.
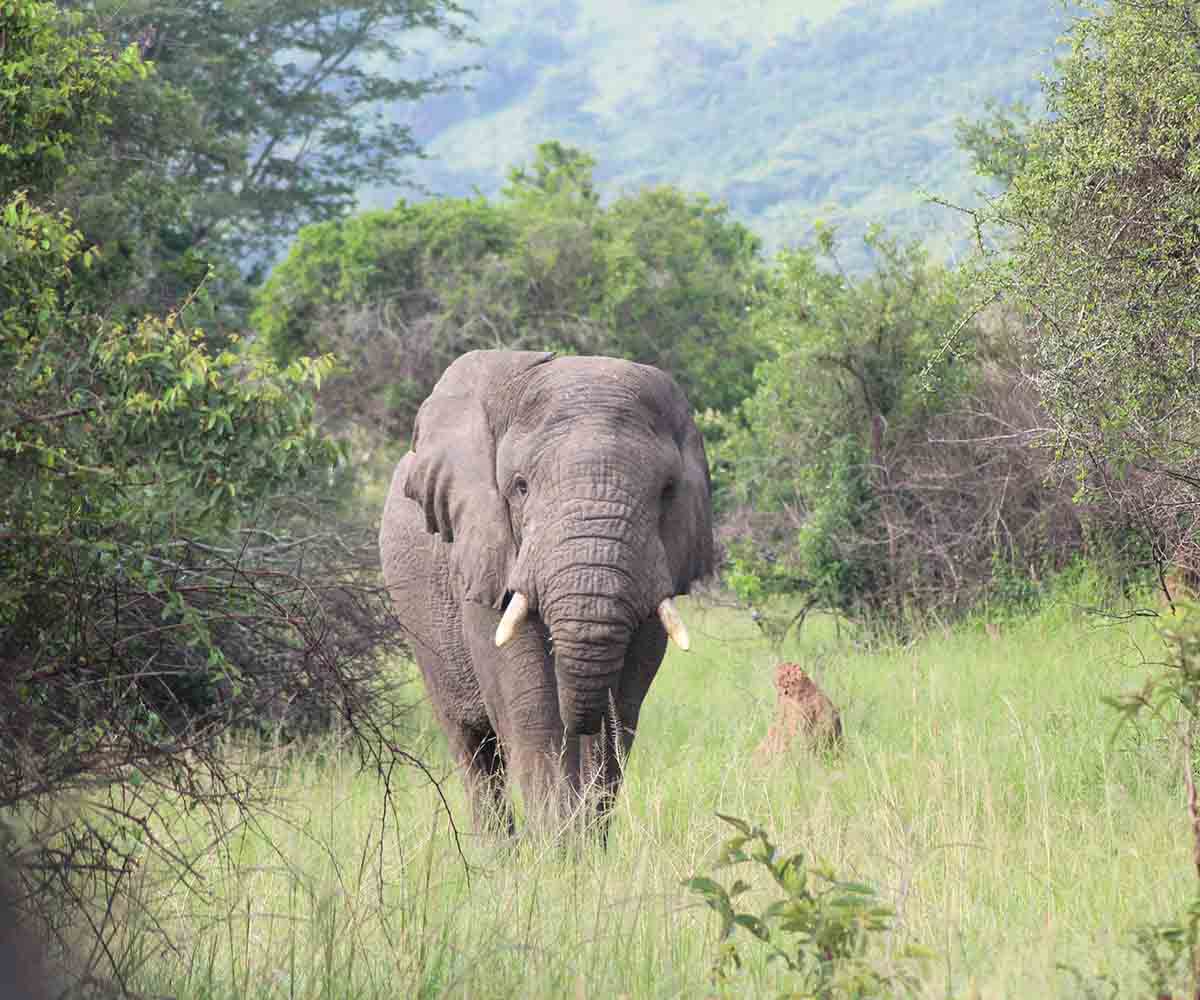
(689, 543)
(688, 530)
(451, 471)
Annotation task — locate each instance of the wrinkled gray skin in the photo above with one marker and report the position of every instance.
(581, 483)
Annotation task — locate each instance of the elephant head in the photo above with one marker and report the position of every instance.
(573, 491)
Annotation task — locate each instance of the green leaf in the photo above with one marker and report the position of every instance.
(705, 886)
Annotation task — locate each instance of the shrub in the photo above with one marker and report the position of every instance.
(822, 929)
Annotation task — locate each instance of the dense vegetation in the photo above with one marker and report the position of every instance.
(876, 469)
(178, 559)
(657, 277)
(1099, 247)
(190, 437)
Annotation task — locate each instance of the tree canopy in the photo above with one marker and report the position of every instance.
(1099, 245)
(657, 276)
(257, 118)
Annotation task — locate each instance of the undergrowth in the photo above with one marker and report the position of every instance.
(981, 809)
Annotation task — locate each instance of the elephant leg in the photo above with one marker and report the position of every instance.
(521, 696)
(416, 567)
(603, 759)
(608, 755)
(479, 754)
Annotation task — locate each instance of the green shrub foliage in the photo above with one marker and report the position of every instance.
(657, 277)
(885, 466)
(1100, 249)
(172, 562)
(58, 92)
(824, 931)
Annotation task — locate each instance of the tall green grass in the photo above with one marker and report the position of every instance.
(980, 788)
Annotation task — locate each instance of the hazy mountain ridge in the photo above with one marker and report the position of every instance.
(843, 111)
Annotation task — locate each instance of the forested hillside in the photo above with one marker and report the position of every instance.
(788, 111)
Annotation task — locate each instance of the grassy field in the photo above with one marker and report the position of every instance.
(980, 789)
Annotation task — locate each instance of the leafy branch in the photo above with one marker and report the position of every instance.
(821, 930)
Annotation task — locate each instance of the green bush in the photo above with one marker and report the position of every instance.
(823, 930)
(839, 406)
(173, 562)
(657, 277)
(1098, 248)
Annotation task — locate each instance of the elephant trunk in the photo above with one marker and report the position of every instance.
(590, 634)
(587, 686)
(605, 578)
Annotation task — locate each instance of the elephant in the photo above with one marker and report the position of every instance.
(533, 539)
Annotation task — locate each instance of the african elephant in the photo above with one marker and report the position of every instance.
(532, 540)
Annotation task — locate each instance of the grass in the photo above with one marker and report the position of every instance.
(980, 789)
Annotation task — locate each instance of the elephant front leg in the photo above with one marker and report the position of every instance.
(521, 697)
(603, 760)
(479, 754)
(606, 754)
(547, 768)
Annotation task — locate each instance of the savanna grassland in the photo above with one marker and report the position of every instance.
(984, 789)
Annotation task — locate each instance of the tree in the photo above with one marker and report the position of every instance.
(657, 277)
(170, 560)
(259, 118)
(999, 143)
(558, 169)
(58, 93)
(679, 278)
(396, 295)
(1100, 248)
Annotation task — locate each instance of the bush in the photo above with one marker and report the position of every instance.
(175, 564)
(657, 277)
(822, 930)
(1099, 248)
(889, 476)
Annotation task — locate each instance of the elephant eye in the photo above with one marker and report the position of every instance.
(668, 492)
(520, 486)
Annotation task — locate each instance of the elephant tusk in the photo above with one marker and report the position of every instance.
(514, 614)
(668, 614)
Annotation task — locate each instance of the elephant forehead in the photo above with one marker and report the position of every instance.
(571, 388)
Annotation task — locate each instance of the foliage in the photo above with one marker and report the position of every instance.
(1101, 250)
(173, 565)
(295, 91)
(815, 442)
(56, 94)
(371, 290)
(158, 585)
(890, 463)
(1171, 952)
(678, 279)
(656, 277)
(255, 119)
(94, 129)
(998, 143)
(821, 929)
(142, 421)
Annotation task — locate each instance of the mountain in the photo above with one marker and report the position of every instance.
(788, 110)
